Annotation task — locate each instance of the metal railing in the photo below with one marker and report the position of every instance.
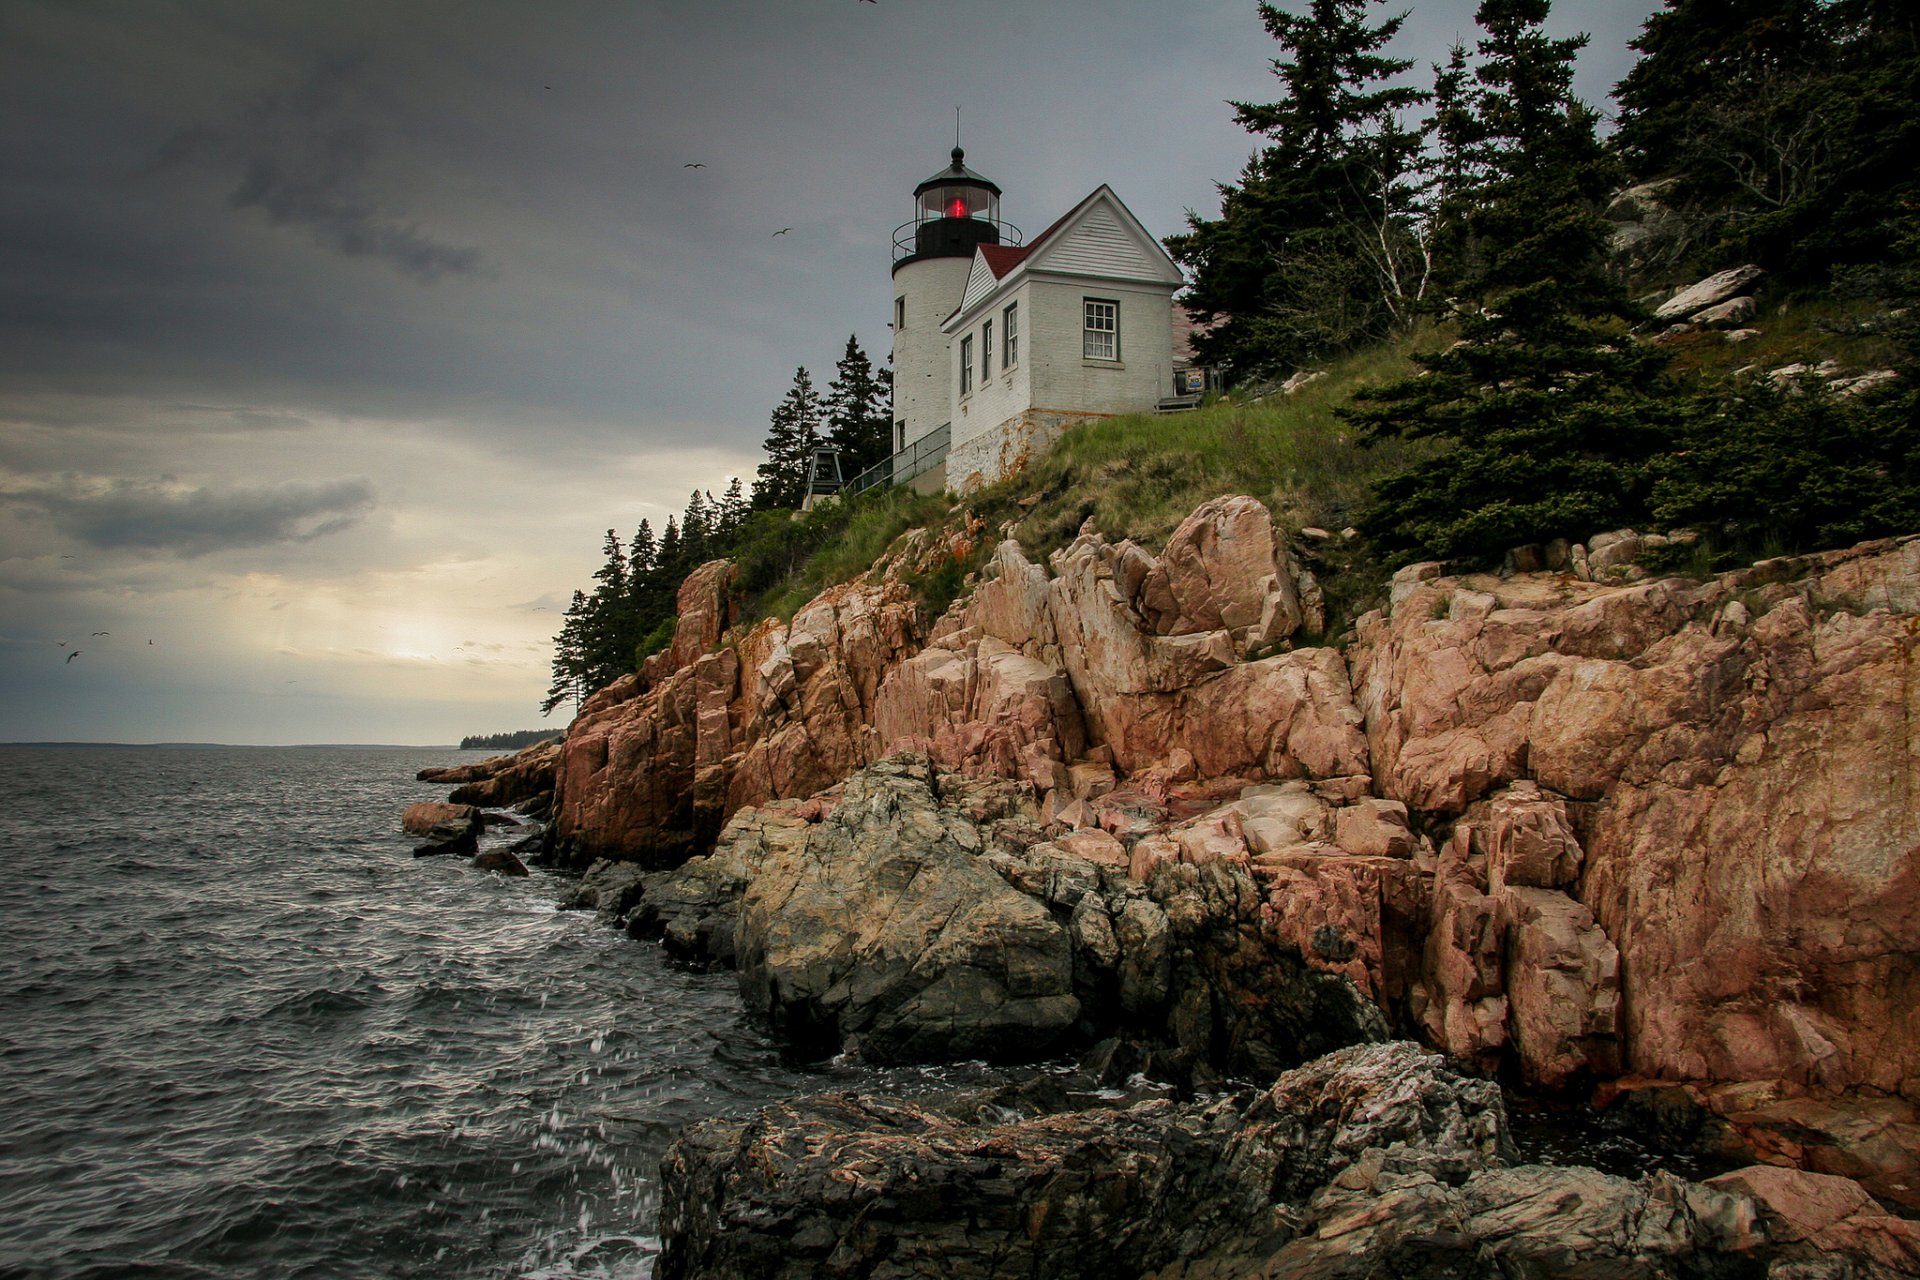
(923, 455)
(906, 236)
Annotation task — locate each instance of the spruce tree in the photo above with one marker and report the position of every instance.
(793, 432)
(1789, 126)
(1288, 273)
(694, 530)
(859, 412)
(1697, 55)
(1552, 411)
(733, 510)
(569, 658)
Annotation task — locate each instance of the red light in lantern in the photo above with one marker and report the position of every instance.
(958, 209)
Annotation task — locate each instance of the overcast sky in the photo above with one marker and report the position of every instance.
(334, 333)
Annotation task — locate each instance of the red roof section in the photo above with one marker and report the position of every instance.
(1003, 258)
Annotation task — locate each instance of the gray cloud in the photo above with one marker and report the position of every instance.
(190, 522)
(303, 158)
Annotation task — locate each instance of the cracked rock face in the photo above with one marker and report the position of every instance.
(1377, 1160)
(1580, 829)
(918, 916)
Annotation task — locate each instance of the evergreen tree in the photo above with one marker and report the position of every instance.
(1697, 54)
(1553, 412)
(673, 560)
(733, 510)
(609, 628)
(793, 432)
(859, 412)
(1789, 125)
(1290, 270)
(694, 530)
(643, 554)
(569, 658)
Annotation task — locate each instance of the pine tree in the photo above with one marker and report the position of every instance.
(1553, 412)
(791, 437)
(1699, 54)
(673, 560)
(1290, 269)
(569, 658)
(733, 510)
(1789, 125)
(696, 529)
(859, 412)
(610, 627)
(642, 554)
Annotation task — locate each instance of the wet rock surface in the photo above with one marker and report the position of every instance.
(1376, 1160)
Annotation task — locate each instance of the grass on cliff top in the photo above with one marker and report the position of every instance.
(1139, 476)
(1135, 477)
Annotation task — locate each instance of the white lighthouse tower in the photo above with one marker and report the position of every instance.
(955, 212)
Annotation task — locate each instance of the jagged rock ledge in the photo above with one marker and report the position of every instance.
(1655, 835)
(1375, 1160)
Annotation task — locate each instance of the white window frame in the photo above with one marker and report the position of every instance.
(966, 365)
(986, 351)
(900, 313)
(1010, 336)
(1100, 341)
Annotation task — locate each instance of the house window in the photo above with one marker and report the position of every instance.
(986, 350)
(899, 313)
(1010, 336)
(1101, 329)
(966, 364)
(899, 435)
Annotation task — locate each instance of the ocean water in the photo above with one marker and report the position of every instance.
(244, 1033)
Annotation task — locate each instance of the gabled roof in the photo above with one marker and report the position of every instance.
(1099, 238)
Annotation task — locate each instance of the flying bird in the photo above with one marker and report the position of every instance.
(73, 655)
(693, 166)
(782, 231)
(103, 633)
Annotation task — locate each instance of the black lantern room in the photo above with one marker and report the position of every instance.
(954, 211)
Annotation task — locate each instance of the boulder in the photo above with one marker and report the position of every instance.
(501, 861)
(1730, 314)
(1714, 289)
(460, 836)
(421, 819)
(1563, 988)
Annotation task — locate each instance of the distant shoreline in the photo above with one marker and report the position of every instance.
(242, 746)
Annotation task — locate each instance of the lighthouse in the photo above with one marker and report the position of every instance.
(955, 212)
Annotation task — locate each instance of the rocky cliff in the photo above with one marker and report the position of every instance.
(1660, 833)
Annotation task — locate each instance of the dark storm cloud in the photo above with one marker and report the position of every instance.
(193, 521)
(303, 158)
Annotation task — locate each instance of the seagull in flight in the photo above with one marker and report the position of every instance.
(693, 166)
(103, 633)
(782, 231)
(73, 655)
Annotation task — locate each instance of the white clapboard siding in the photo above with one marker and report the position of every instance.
(980, 282)
(1098, 245)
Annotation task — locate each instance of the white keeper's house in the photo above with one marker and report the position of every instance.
(999, 347)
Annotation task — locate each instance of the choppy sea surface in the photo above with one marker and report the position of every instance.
(245, 1033)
